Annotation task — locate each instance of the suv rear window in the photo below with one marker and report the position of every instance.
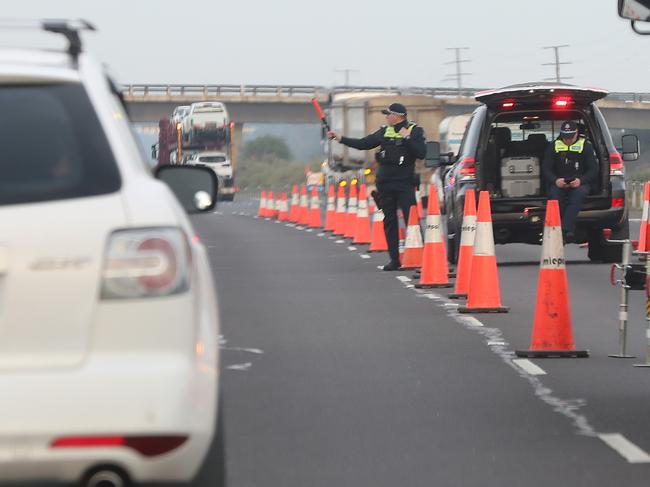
(52, 145)
(212, 159)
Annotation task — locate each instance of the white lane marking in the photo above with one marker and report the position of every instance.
(309, 230)
(528, 366)
(634, 219)
(242, 349)
(340, 241)
(471, 321)
(351, 248)
(364, 256)
(403, 278)
(243, 367)
(625, 447)
(218, 212)
(320, 234)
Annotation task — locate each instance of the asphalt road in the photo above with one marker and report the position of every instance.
(338, 374)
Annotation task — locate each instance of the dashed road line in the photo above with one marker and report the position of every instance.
(528, 366)
(625, 447)
(351, 248)
(364, 256)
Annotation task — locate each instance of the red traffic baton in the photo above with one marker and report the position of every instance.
(320, 113)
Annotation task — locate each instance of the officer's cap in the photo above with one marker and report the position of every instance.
(568, 128)
(395, 108)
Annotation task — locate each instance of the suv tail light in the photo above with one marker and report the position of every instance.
(146, 263)
(467, 168)
(616, 167)
(618, 202)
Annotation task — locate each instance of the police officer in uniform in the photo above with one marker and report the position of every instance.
(570, 168)
(401, 143)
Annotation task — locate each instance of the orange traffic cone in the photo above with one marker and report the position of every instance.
(552, 334)
(351, 219)
(294, 213)
(270, 205)
(330, 212)
(413, 248)
(341, 211)
(377, 236)
(362, 230)
(434, 260)
(643, 233)
(466, 250)
(284, 208)
(484, 295)
(303, 215)
(401, 236)
(314, 208)
(262, 209)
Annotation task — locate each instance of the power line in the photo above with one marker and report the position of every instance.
(557, 63)
(458, 76)
(347, 72)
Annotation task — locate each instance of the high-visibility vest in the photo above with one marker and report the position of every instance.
(390, 133)
(578, 146)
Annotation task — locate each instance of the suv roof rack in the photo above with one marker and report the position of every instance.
(69, 28)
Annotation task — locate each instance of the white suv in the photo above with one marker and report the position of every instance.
(108, 317)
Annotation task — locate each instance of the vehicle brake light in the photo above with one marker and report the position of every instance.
(146, 263)
(618, 202)
(507, 104)
(148, 446)
(562, 102)
(467, 167)
(616, 167)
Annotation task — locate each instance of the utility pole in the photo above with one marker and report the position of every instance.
(347, 72)
(557, 63)
(458, 77)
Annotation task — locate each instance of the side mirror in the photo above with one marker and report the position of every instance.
(631, 147)
(634, 10)
(195, 187)
(432, 159)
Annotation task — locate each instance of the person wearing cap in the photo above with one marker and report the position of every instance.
(570, 168)
(401, 143)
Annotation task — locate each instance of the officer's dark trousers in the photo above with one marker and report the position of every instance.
(570, 200)
(391, 201)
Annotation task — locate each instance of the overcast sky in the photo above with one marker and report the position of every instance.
(389, 42)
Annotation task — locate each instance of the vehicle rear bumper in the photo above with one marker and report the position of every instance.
(148, 395)
(517, 227)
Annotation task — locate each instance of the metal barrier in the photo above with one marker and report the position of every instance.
(208, 90)
(634, 195)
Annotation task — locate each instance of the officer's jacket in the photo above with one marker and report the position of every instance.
(397, 155)
(575, 161)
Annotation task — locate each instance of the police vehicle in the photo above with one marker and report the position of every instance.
(502, 150)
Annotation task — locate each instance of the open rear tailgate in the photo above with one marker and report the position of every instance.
(535, 93)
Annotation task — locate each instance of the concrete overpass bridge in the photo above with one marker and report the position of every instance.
(148, 103)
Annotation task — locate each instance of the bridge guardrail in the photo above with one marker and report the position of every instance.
(214, 90)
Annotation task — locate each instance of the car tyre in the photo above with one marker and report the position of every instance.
(601, 251)
(453, 243)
